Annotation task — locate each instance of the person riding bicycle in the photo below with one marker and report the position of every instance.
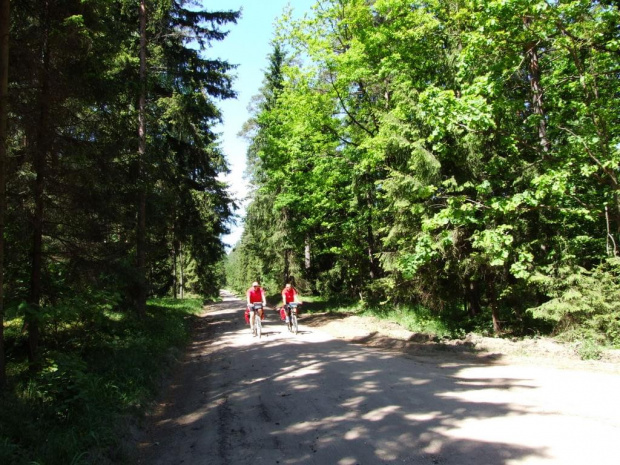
(289, 294)
(255, 294)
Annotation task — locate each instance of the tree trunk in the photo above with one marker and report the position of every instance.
(141, 228)
(287, 269)
(497, 326)
(375, 271)
(175, 258)
(531, 52)
(40, 153)
(371, 254)
(286, 247)
(182, 282)
(307, 261)
(4, 91)
(472, 293)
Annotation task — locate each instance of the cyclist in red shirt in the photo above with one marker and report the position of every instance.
(255, 294)
(289, 294)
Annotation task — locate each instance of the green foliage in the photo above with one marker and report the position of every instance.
(441, 154)
(74, 409)
(267, 251)
(415, 319)
(76, 177)
(585, 304)
(319, 304)
(589, 350)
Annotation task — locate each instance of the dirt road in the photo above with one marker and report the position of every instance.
(312, 399)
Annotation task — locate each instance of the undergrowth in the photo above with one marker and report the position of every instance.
(413, 318)
(95, 374)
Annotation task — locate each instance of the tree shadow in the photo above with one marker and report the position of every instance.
(327, 402)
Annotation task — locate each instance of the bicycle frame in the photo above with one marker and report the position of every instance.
(292, 317)
(255, 318)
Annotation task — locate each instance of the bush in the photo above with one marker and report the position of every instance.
(585, 305)
(589, 350)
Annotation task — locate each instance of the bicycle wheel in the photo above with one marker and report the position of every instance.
(259, 326)
(253, 323)
(294, 323)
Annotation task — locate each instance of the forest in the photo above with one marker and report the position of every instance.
(457, 159)
(460, 157)
(110, 197)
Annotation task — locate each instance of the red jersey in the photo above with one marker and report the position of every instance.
(255, 294)
(289, 295)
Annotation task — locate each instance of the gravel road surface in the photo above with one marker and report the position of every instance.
(313, 399)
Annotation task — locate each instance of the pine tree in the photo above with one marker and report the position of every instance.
(4, 81)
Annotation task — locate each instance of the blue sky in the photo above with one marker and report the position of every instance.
(247, 45)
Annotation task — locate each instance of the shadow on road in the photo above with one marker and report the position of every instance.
(311, 399)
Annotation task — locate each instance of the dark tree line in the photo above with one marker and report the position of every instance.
(111, 162)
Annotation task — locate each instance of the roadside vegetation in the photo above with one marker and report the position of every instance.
(450, 165)
(418, 319)
(583, 312)
(98, 375)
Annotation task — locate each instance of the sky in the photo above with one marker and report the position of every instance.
(247, 45)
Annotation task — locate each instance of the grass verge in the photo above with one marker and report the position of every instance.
(413, 318)
(96, 375)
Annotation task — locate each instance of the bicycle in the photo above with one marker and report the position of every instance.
(257, 326)
(292, 317)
